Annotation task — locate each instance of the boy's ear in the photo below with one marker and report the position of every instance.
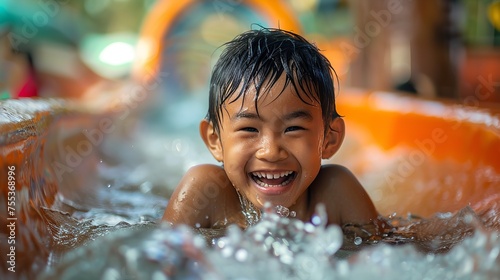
(333, 138)
(211, 139)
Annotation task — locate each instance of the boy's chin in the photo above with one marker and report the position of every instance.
(270, 204)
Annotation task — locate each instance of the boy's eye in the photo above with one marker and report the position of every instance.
(293, 128)
(249, 129)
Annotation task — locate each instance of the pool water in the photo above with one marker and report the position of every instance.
(278, 248)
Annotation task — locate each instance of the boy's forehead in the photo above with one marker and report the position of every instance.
(276, 100)
(270, 90)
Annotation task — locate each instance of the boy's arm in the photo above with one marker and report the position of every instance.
(195, 199)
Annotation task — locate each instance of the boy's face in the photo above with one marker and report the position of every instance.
(273, 156)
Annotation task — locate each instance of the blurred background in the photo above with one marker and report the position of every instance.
(86, 49)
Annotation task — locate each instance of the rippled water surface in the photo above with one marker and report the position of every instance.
(277, 248)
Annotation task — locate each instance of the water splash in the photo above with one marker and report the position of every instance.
(252, 214)
(282, 211)
(152, 253)
(286, 248)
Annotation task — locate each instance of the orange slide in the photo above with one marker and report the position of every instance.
(422, 156)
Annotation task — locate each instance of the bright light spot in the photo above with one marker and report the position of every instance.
(494, 14)
(109, 55)
(117, 53)
(241, 255)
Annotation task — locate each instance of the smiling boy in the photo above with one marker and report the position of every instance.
(271, 121)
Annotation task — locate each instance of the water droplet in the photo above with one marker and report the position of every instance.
(158, 275)
(333, 239)
(466, 267)
(308, 227)
(111, 273)
(221, 243)
(494, 253)
(316, 220)
(343, 268)
(320, 218)
(146, 187)
(282, 211)
(241, 255)
(358, 240)
(468, 218)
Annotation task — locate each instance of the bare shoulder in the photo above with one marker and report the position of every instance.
(198, 195)
(207, 173)
(345, 198)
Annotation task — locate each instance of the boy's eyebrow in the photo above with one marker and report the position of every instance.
(245, 115)
(300, 114)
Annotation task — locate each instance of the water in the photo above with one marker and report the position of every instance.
(283, 248)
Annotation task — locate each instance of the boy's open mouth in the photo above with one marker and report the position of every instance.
(273, 179)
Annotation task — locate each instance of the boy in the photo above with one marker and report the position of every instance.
(270, 122)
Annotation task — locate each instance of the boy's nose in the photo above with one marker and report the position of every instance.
(271, 150)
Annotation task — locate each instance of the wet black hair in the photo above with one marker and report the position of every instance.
(256, 55)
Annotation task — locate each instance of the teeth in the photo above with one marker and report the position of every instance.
(265, 185)
(271, 175)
